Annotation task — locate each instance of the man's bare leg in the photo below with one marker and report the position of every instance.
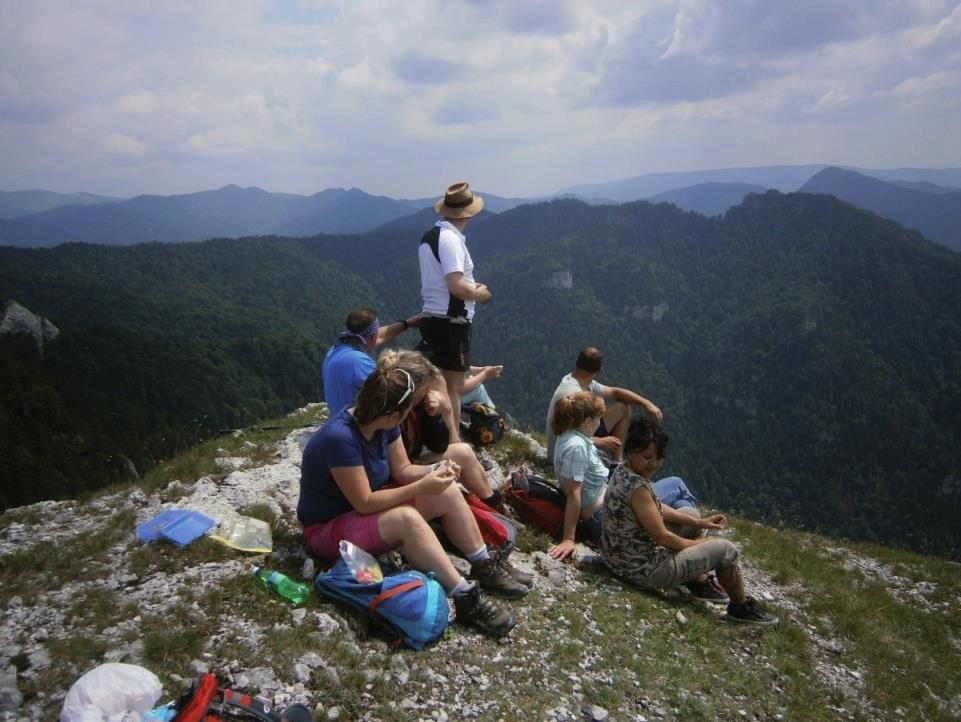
(616, 420)
(455, 387)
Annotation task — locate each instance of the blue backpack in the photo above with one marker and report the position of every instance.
(409, 606)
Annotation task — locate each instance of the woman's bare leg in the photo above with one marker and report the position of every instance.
(404, 526)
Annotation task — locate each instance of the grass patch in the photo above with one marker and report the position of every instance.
(256, 443)
(161, 557)
(25, 571)
(27, 515)
(903, 647)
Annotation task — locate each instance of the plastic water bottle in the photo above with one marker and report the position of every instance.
(282, 585)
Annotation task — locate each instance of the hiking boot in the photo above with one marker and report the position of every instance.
(492, 577)
(479, 612)
(751, 612)
(708, 591)
(503, 559)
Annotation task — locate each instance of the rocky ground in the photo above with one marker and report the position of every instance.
(81, 590)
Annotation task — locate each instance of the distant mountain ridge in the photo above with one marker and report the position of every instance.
(935, 213)
(786, 178)
(228, 212)
(22, 203)
(233, 212)
(708, 199)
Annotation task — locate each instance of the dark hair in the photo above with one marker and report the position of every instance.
(381, 395)
(571, 411)
(359, 319)
(590, 359)
(643, 432)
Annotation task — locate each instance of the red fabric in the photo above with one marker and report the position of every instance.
(540, 513)
(491, 528)
(197, 706)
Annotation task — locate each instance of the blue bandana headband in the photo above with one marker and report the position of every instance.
(361, 336)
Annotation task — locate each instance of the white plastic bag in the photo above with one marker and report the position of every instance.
(112, 693)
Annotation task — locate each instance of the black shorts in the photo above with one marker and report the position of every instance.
(446, 342)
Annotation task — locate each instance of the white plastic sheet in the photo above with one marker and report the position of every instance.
(112, 693)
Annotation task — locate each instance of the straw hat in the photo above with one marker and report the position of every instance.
(459, 202)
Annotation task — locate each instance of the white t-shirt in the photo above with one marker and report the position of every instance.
(454, 257)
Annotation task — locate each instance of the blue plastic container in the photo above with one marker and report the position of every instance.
(187, 528)
(181, 526)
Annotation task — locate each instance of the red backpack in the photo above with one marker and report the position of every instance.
(541, 504)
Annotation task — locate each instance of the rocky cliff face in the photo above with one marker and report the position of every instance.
(17, 319)
(79, 590)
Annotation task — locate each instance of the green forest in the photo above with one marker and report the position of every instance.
(806, 354)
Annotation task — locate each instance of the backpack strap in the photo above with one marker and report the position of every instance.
(393, 592)
(202, 696)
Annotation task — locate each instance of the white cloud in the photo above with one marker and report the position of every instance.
(396, 98)
(124, 145)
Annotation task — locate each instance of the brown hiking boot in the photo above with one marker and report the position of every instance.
(493, 577)
(503, 558)
(479, 612)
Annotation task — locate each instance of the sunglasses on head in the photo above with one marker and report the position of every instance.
(405, 396)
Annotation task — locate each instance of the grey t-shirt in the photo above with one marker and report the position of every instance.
(568, 385)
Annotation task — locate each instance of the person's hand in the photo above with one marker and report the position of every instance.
(437, 479)
(492, 372)
(482, 294)
(414, 321)
(562, 550)
(610, 444)
(432, 403)
(714, 521)
(454, 467)
(653, 412)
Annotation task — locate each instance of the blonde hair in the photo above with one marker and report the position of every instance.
(571, 411)
(413, 362)
(383, 393)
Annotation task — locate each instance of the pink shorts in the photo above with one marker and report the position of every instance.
(323, 540)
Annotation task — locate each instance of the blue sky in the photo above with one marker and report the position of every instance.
(518, 97)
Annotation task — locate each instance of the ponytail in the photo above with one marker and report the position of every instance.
(384, 392)
(571, 411)
(413, 362)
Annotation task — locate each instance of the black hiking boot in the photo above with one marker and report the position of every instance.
(707, 591)
(479, 612)
(502, 556)
(493, 577)
(750, 612)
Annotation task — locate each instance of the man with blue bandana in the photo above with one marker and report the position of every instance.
(348, 362)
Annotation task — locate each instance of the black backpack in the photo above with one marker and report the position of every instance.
(480, 425)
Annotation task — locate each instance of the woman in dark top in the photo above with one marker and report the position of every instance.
(637, 544)
(358, 484)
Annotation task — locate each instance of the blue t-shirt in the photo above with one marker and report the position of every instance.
(576, 458)
(339, 443)
(345, 370)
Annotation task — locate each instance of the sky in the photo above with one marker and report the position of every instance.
(518, 97)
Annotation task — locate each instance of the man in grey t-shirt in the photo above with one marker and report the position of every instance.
(610, 435)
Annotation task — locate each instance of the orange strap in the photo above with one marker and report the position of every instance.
(393, 592)
(197, 706)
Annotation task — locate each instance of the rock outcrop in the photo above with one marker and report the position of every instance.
(17, 319)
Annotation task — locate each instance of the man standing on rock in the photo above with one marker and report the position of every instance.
(449, 289)
(348, 362)
(611, 433)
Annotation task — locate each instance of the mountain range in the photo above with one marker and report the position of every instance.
(933, 210)
(804, 351)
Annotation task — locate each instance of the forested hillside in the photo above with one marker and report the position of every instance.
(807, 354)
(160, 345)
